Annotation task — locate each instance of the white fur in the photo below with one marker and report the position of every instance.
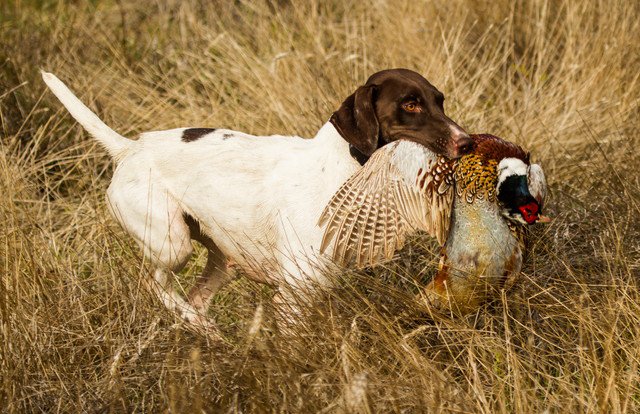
(114, 143)
(257, 198)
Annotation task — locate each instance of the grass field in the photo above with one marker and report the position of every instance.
(79, 334)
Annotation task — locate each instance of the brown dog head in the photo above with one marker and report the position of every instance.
(398, 104)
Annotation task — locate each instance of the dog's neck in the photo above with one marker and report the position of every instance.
(331, 145)
(328, 134)
(332, 152)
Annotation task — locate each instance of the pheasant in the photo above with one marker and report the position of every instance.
(477, 207)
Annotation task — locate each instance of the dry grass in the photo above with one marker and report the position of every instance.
(77, 332)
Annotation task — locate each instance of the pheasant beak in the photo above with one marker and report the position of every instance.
(544, 219)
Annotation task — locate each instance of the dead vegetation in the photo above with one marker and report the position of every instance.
(79, 334)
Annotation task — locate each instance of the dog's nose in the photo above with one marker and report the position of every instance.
(464, 145)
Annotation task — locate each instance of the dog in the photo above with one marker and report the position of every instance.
(254, 201)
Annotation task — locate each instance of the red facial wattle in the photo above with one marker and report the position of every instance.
(529, 212)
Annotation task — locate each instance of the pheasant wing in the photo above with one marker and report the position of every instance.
(402, 188)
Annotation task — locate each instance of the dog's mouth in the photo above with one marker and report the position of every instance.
(462, 146)
(454, 148)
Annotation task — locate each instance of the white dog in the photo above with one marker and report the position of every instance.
(255, 201)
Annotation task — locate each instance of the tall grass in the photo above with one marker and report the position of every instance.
(78, 333)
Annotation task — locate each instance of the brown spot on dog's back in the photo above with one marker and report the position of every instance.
(192, 134)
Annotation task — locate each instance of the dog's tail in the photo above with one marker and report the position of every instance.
(114, 143)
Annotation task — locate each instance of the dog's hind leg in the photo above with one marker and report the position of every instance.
(215, 274)
(148, 213)
(162, 285)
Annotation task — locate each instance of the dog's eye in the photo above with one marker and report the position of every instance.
(411, 106)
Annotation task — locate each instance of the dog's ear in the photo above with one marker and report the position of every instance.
(357, 122)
